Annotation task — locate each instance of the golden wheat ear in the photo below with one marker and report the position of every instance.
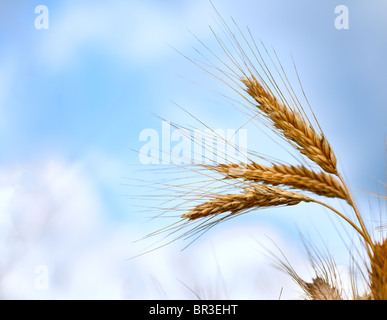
(256, 197)
(292, 125)
(295, 177)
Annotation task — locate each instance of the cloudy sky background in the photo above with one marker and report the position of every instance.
(75, 98)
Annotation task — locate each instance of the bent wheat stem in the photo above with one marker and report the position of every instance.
(345, 218)
(351, 201)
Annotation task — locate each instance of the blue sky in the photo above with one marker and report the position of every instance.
(74, 99)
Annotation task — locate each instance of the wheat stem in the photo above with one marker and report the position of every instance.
(351, 201)
(342, 216)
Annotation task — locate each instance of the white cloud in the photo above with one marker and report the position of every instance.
(48, 215)
(226, 263)
(52, 215)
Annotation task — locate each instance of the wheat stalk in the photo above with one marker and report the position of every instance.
(263, 184)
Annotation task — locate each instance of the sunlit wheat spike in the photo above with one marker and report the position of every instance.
(296, 177)
(256, 197)
(292, 125)
(378, 271)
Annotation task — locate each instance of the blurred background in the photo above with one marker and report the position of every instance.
(81, 81)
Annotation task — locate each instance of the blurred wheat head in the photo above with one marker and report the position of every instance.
(252, 185)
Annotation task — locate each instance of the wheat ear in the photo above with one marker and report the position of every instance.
(292, 125)
(256, 197)
(320, 289)
(296, 177)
